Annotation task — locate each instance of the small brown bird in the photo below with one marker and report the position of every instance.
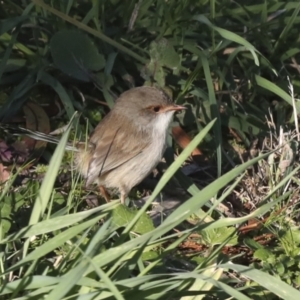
(129, 142)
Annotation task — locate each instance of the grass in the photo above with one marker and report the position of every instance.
(235, 232)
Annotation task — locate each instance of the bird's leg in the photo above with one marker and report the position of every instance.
(123, 197)
(104, 193)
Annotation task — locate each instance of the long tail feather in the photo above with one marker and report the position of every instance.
(35, 135)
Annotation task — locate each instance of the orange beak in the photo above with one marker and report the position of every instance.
(175, 107)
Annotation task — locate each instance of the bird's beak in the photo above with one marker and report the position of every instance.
(175, 107)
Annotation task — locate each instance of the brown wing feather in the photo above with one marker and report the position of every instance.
(113, 146)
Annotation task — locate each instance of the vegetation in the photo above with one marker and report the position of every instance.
(234, 234)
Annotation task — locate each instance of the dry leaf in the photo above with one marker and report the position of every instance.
(4, 173)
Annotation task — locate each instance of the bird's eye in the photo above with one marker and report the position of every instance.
(156, 108)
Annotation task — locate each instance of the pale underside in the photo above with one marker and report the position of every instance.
(122, 156)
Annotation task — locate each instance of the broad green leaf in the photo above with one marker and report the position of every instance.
(90, 30)
(8, 24)
(122, 215)
(18, 96)
(292, 236)
(75, 54)
(218, 236)
(262, 254)
(163, 53)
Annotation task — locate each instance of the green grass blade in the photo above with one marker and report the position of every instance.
(57, 223)
(229, 35)
(214, 108)
(49, 180)
(47, 79)
(273, 88)
(271, 283)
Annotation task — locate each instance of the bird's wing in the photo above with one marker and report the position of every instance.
(114, 147)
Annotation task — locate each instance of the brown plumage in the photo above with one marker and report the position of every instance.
(129, 142)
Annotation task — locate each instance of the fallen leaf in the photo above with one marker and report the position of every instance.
(4, 173)
(20, 152)
(5, 152)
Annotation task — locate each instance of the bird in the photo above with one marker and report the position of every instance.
(128, 142)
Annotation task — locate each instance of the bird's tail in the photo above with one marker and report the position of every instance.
(36, 135)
